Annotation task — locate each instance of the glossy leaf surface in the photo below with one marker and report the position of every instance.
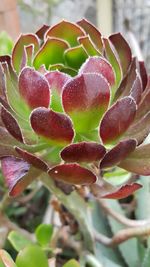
(55, 127)
(72, 174)
(117, 120)
(86, 97)
(83, 152)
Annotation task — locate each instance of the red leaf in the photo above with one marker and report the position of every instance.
(72, 174)
(54, 126)
(40, 32)
(11, 124)
(118, 153)
(32, 159)
(83, 152)
(86, 97)
(140, 129)
(144, 75)
(34, 88)
(106, 190)
(122, 49)
(94, 34)
(138, 161)
(123, 191)
(56, 80)
(117, 119)
(99, 65)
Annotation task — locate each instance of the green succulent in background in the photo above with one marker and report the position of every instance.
(6, 44)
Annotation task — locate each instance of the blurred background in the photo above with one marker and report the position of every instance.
(131, 17)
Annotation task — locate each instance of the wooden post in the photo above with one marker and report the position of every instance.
(104, 16)
(9, 19)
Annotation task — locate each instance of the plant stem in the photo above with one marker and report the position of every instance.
(123, 235)
(120, 218)
(77, 207)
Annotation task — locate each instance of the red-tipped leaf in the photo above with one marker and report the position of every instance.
(34, 88)
(67, 31)
(83, 152)
(118, 153)
(117, 120)
(72, 174)
(123, 50)
(85, 98)
(99, 65)
(32, 159)
(55, 127)
(11, 124)
(18, 174)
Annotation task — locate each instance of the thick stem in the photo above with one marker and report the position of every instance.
(77, 207)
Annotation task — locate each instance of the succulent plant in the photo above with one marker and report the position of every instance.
(74, 105)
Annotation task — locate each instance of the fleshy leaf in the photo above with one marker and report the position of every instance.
(40, 32)
(18, 174)
(18, 51)
(56, 80)
(44, 234)
(143, 106)
(106, 190)
(63, 68)
(32, 256)
(140, 129)
(117, 120)
(85, 98)
(83, 152)
(18, 240)
(122, 49)
(143, 74)
(128, 81)
(11, 124)
(6, 259)
(55, 127)
(124, 191)
(52, 52)
(32, 159)
(34, 88)
(94, 34)
(113, 59)
(72, 174)
(2, 84)
(88, 45)
(67, 31)
(136, 90)
(75, 56)
(71, 263)
(138, 161)
(118, 153)
(99, 65)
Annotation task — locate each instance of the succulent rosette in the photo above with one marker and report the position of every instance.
(74, 105)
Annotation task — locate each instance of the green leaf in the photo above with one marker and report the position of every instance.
(143, 198)
(18, 240)
(6, 44)
(6, 260)
(71, 263)
(108, 257)
(44, 234)
(128, 249)
(32, 256)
